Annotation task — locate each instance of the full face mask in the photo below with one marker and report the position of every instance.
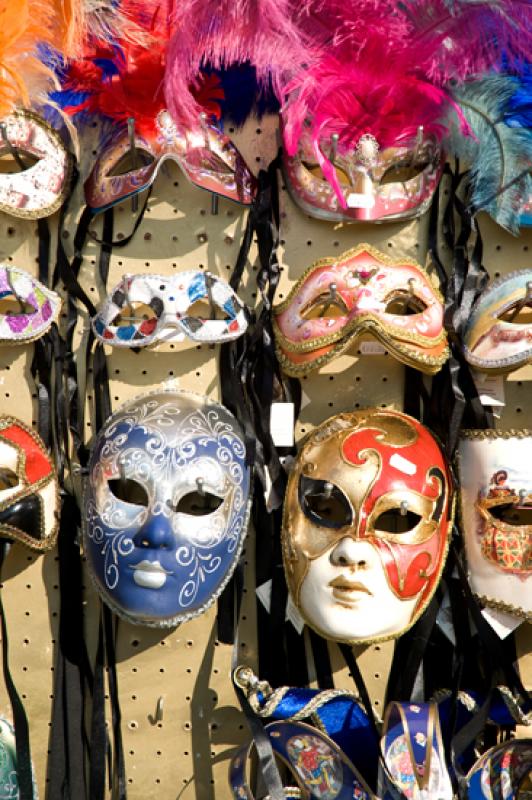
(27, 307)
(40, 181)
(29, 490)
(145, 309)
(366, 522)
(367, 183)
(498, 337)
(496, 492)
(363, 291)
(206, 156)
(166, 506)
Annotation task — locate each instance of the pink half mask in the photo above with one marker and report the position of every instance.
(27, 307)
(145, 309)
(207, 157)
(496, 490)
(40, 189)
(362, 291)
(366, 184)
(498, 337)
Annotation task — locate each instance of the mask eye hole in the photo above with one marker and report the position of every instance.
(134, 312)
(518, 314)
(323, 306)
(403, 304)
(324, 503)
(201, 309)
(316, 171)
(196, 504)
(130, 162)
(9, 164)
(10, 305)
(512, 514)
(401, 173)
(393, 520)
(8, 478)
(129, 491)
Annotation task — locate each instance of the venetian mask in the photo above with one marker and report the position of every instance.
(27, 307)
(166, 506)
(362, 291)
(146, 309)
(366, 523)
(413, 753)
(366, 184)
(498, 337)
(29, 490)
(40, 181)
(496, 491)
(503, 773)
(207, 157)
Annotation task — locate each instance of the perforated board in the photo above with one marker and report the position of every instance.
(186, 754)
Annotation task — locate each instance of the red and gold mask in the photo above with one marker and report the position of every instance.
(366, 523)
(496, 491)
(362, 291)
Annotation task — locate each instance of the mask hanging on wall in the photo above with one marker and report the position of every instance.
(166, 506)
(27, 307)
(496, 510)
(366, 522)
(361, 292)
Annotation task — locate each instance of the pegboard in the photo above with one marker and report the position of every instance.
(185, 671)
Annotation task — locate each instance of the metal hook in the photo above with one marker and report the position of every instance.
(522, 496)
(327, 490)
(133, 149)
(334, 146)
(209, 281)
(522, 303)
(404, 508)
(205, 127)
(214, 204)
(159, 709)
(331, 300)
(199, 484)
(13, 152)
(419, 143)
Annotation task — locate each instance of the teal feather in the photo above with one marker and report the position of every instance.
(499, 156)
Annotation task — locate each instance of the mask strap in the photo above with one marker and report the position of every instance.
(20, 721)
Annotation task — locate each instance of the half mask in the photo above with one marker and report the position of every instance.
(503, 773)
(496, 502)
(147, 309)
(365, 183)
(166, 506)
(498, 337)
(366, 522)
(361, 292)
(40, 180)
(206, 156)
(29, 490)
(27, 307)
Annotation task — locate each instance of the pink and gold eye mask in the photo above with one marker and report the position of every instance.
(207, 157)
(362, 291)
(38, 184)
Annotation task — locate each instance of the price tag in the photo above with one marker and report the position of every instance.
(264, 593)
(372, 349)
(282, 424)
(490, 389)
(358, 200)
(501, 622)
(171, 383)
(293, 615)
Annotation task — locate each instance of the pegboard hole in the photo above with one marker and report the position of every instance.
(135, 643)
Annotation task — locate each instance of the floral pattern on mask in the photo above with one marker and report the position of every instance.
(22, 326)
(153, 563)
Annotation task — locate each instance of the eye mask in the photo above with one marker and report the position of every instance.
(362, 291)
(207, 157)
(40, 189)
(147, 309)
(498, 337)
(27, 307)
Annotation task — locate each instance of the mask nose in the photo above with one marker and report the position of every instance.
(350, 553)
(155, 534)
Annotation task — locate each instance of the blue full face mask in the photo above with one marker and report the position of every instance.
(166, 506)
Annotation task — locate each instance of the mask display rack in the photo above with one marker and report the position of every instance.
(180, 719)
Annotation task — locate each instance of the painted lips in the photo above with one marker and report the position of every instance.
(149, 574)
(347, 591)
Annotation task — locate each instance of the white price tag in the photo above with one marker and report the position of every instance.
(490, 389)
(293, 615)
(305, 399)
(171, 383)
(503, 624)
(358, 200)
(264, 593)
(372, 349)
(282, 424)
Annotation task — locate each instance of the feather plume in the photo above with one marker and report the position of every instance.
(107, 21)
(499, 155)
(222, 33)
(518, 113)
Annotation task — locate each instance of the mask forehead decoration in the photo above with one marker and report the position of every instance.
(366, 522)
(498, 336)
(29, 490)
(145, 309)
(496, 506)
(362, 291)
(166, 506)
(40, 188)
(27, 307)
